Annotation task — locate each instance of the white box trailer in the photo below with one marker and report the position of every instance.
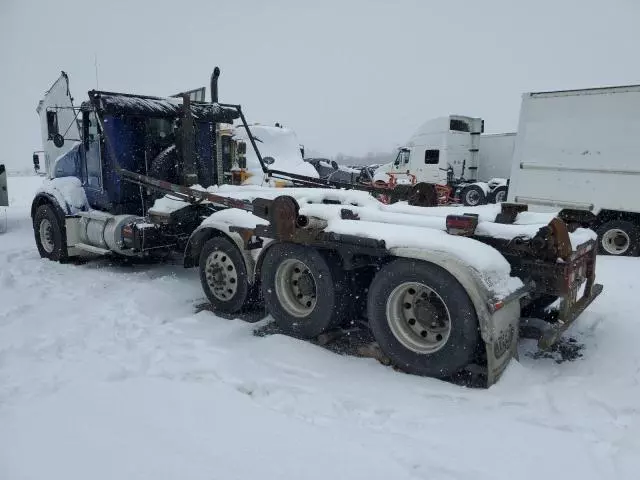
(4, 194)
(496, 153)
(578, 151)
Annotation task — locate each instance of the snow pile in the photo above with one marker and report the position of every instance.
(279, 143)
(235, 217)
(167, 205)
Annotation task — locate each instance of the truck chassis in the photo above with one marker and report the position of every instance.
(430, 312)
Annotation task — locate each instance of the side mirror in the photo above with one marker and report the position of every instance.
(269, 160)
(36, 162)
(242, 148)
(58, 140)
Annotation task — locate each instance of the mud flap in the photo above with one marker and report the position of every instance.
(503, 344)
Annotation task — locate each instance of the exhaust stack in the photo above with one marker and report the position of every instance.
(214, 85)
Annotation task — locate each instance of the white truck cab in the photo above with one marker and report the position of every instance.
(439, 148)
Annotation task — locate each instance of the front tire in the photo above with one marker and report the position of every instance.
(422, 318)
(619, 238)
(472, 196)
(223, 275)
(305, 291)
(50, 234)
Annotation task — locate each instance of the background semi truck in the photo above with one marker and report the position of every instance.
(453, 152)
(578, 152)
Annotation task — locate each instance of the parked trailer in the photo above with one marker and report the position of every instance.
(4, 193)
(4, 198)
(578, 152)
(441, 292)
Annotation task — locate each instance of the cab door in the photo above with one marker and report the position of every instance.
(427, 162)
(92, 179)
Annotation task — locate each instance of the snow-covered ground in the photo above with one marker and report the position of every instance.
(107, 372)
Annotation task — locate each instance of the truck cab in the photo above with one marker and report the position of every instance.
(440, 148)
(143, 134)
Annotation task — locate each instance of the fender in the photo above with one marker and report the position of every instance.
(43, 198)
(499, 328)
(214, 229)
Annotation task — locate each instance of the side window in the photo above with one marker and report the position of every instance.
(52, 124)
(458, 125)
(431, 157)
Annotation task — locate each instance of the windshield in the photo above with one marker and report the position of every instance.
(402, 158)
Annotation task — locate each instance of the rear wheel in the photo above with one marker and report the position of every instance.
(305, 291)
(223, 276)
(473, 195)
(49, 233)
(498, 195)
(422, 318)
(619, 237)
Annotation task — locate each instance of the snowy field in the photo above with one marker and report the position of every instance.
(107, 372)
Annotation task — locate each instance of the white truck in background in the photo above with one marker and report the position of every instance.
(578, 152)
(453, 152)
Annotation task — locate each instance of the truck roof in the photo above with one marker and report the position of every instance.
(586, 91)
(148, 106)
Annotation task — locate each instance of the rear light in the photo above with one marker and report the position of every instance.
(462, 224)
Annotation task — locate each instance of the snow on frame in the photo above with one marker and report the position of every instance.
(368, 208)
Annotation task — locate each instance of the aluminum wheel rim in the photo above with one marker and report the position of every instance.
(296, 288)
(46, 235)
(615, 241)
(500, 196)
(222, 275)
(473, 197)
(418, 317)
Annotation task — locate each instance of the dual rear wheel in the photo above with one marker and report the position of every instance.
(420, 315)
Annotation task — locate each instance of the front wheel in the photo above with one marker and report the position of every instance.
(473, 195)
(49, 232)
(422, 318)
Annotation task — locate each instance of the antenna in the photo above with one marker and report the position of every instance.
(95, 62)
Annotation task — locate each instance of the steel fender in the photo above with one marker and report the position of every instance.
(68, 194)
(499, 330)
(211, 229)
(42, 198)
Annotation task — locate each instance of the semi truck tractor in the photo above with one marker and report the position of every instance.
(452, 152)
(442, 291)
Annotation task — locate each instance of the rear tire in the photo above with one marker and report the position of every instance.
(619, 238)
(223, 275)
(422, 318)
(305, 291)
(498, 195)
(472, 196)
(50, 234)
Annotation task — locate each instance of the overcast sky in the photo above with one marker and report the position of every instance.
(348, 76)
